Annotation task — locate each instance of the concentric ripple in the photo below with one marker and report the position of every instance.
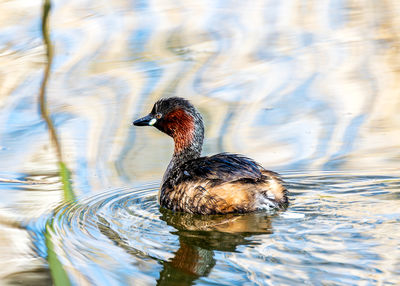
(331, 233)
(114, 234)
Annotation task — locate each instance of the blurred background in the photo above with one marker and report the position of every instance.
(300, 86)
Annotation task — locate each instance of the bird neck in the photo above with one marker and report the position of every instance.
(188, 144)
(190, 151)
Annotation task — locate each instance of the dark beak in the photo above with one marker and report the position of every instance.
(144, 121)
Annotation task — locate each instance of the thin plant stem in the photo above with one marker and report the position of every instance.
(64, 172)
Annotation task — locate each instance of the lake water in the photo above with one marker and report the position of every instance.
(310, 89)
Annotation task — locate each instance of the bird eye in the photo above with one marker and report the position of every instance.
(158, 115)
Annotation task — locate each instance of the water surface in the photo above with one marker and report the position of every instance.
(307, 88)
(339, 229)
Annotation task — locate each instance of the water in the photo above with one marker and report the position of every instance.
(339, 229)
(308, 89)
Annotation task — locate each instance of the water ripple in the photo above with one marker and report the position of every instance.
(122, 235)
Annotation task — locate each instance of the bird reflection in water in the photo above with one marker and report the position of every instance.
(200, 236)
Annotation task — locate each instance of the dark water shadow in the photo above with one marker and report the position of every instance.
(199, 238)
(39, 276)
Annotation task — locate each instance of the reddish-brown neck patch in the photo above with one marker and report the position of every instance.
(180, 125)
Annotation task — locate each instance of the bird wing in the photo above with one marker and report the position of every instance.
(222, 168)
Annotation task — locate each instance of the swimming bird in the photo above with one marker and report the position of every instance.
(218, 184)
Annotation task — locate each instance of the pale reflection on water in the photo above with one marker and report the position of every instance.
(301, 86)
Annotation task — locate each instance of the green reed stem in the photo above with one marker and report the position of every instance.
(64, 172)
(58, 273)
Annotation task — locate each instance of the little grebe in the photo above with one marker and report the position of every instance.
(219, 184)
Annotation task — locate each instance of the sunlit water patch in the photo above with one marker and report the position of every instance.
(338, 229)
